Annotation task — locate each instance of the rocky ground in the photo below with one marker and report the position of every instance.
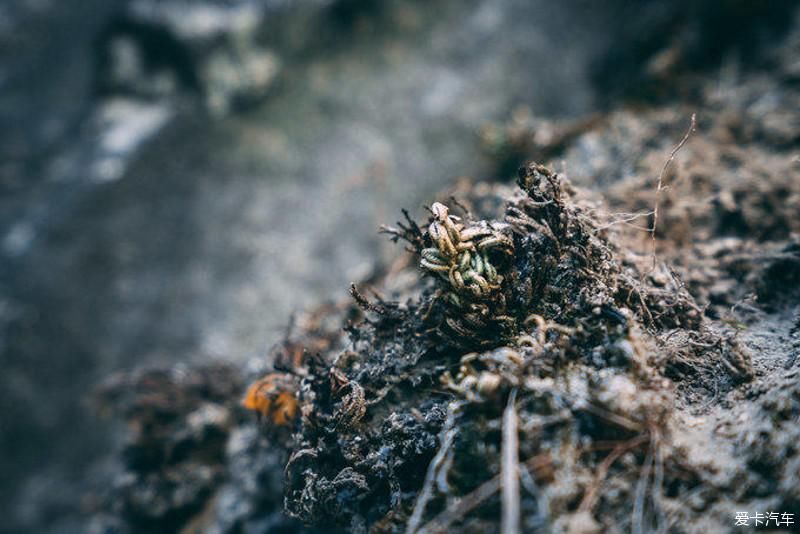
(646, 391)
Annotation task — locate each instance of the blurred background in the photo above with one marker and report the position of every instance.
(178, 176)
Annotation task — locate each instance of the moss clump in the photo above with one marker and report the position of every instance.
(525, 304)
(543, 256)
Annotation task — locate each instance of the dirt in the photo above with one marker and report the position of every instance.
(612, 343)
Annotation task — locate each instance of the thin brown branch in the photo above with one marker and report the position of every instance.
(660, 187)
(446, 438)
(470, 501)
(590, 497)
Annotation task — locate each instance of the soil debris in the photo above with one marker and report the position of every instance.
(529, 366)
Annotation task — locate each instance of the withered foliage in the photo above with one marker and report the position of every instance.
(542, 256)
(643, 395)
(535, 298)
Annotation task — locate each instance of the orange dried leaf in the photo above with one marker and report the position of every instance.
(273, 397)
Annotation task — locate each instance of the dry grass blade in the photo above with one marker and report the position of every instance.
(660, 186)
(510, 467)
(470, 501)
(637, 516)
(447, 436)
(658, 485)
(590, 497)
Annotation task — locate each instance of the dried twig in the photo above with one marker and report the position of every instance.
(590, 497)
(464, 208)
(510, 467)
(637, 516)
(409, 232)
(660, 186)
(612, 417)
(470, 501)
(541, 498)
(658, 483)
(446, 438)
(385, 309)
